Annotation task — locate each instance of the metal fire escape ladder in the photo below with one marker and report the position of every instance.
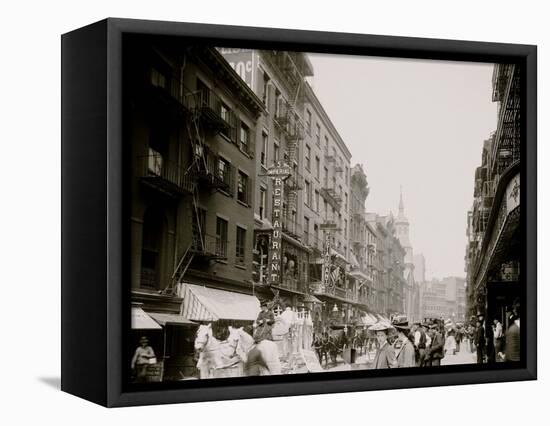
(292, 142)
(181, 268)
(199, 163)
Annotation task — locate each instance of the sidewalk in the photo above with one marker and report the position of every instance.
(462, 357)
(364, 361)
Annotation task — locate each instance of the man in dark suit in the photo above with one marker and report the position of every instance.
(480, 340)
(385, 355)
(435, 351)
(264, 323)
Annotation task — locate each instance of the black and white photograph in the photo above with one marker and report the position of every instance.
(300, 212)
(310, 213)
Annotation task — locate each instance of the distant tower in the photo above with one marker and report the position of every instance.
(402, 231)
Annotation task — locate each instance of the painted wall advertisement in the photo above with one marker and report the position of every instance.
(242, 61)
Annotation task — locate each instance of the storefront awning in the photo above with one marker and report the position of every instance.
(142, 321)
(172, 319)
(310, 298)
(360, 275)
(209, 304)
(383, 319)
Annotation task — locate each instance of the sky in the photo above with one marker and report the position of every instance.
(419, 124)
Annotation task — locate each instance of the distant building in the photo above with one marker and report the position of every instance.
(362, 238)
(412, 290)
(434, 300)
(389, 279)
(419, 268)
(444, 298)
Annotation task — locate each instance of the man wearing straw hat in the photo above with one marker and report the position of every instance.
(385, 354)
(406, 354)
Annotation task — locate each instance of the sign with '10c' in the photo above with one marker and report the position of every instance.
(242, 61)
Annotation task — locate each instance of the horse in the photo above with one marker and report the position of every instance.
(217, 358)
(260, 359)
(230, 358)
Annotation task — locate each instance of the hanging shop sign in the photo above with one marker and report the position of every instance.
(278, 172)
(326, 263)
(512, 194)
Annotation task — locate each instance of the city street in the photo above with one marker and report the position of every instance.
(363, 362)
(462, 357)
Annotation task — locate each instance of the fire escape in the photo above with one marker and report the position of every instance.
(207, 117)
(287, 117)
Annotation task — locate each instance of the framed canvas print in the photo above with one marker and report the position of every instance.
(253, 212)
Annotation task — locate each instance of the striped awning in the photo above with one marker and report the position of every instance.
(208, 304)
(142, 321)
(163, 319)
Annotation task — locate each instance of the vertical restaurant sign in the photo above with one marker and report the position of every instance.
(241, 60)
(279, 172)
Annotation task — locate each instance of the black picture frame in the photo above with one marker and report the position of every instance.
(94, 233)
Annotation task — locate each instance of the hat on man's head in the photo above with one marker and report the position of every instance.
(380, 326)
(401, 325)
(263, 303)
(144, 340)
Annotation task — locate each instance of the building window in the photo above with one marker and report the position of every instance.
(224, 171)
(276, 151)
(317, 201)
(242, 188)
(325, 178)
(224, 112)
(326, 144)
(221, 237)
(316, 235)
(345, 228)
(245, 138)
(265, 91)
(308, 193)
(306, 230)
(346, 201)
(318, 134)
(317, 168)
(263, 154)
(240, 245)
(347, 175)
(308, 158)
(278, 102)
(262, 203)
(308, 122)
(158, 79)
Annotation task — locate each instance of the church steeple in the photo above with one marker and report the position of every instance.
(401, 216)
(401, 207)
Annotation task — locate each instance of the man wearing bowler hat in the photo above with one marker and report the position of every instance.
(422, 341)
(435, 351)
